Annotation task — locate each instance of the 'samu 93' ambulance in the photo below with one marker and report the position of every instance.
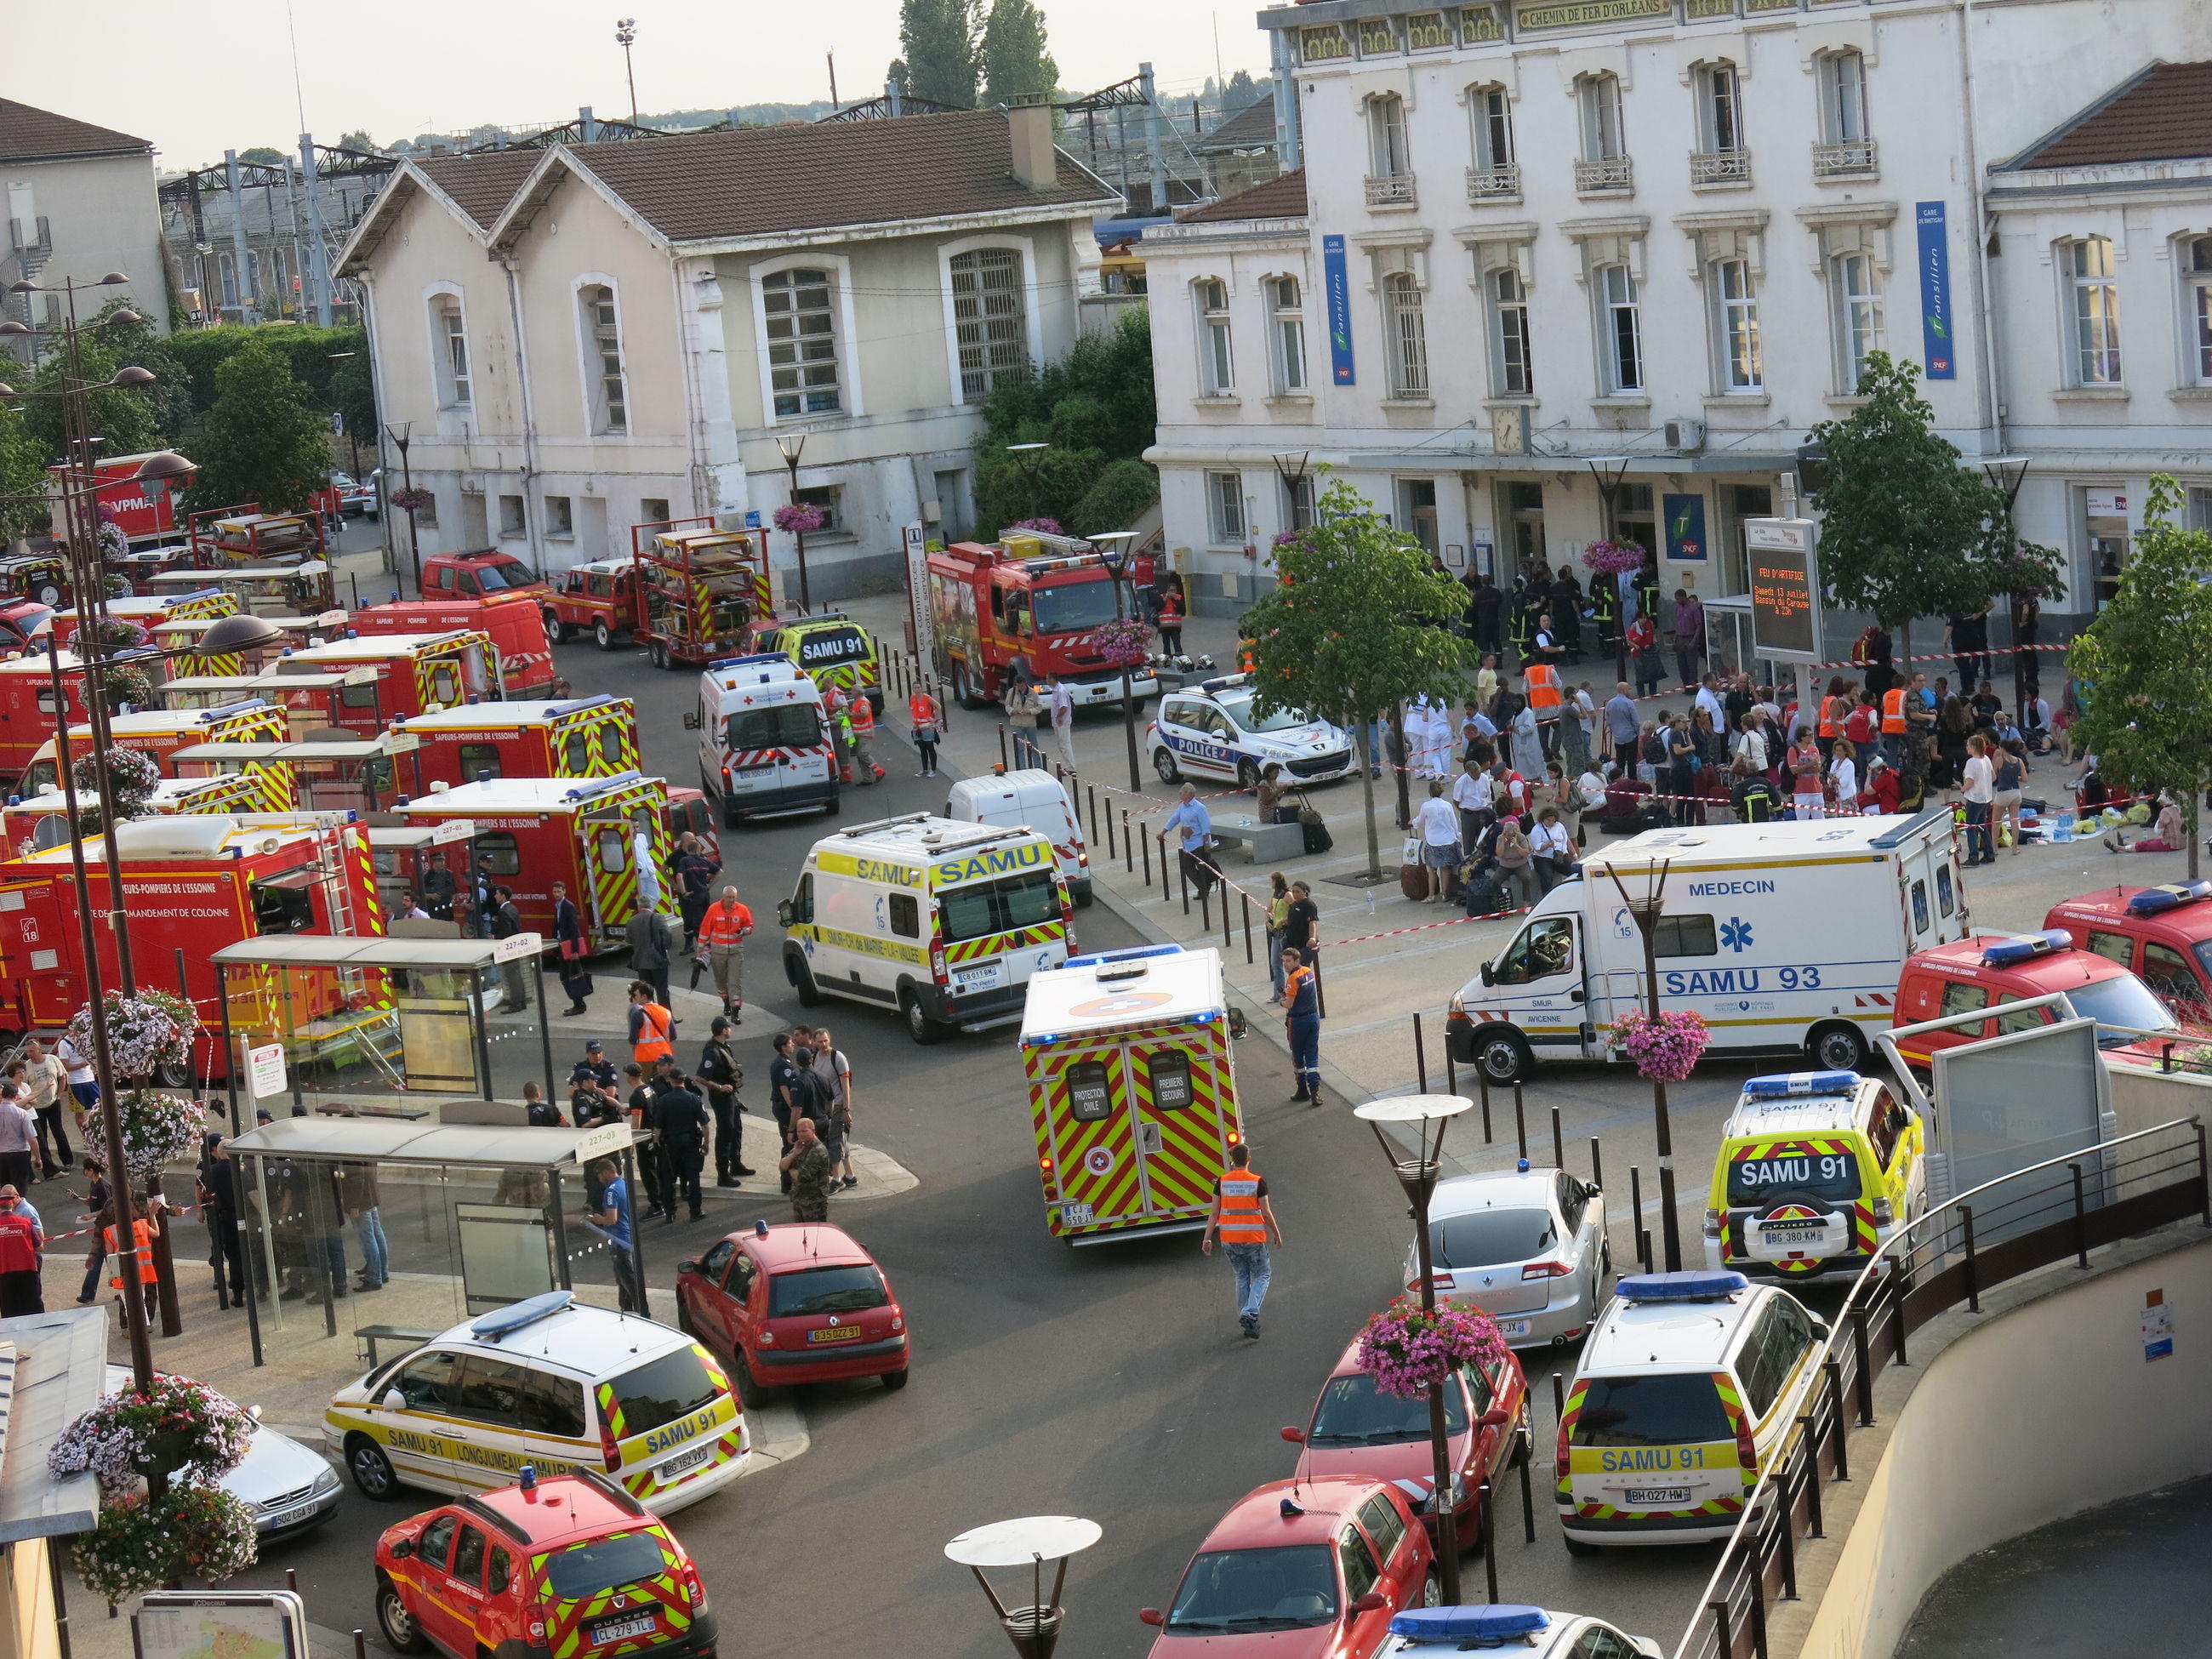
(945, 923)
(1783, 936)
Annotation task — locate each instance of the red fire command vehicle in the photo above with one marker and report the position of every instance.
(483, 573)
(41, 577)
(189, 885)
(520, 636)
(27, 701)
(601, 599)
(146, 514)
(1040, 597)
(584, 738)
(703, 590)
(244, 535)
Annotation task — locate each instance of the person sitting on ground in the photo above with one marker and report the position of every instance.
(2167, 836)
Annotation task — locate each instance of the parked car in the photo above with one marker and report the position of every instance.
(1526, 1246)
(289, 1487)
(797, 1303)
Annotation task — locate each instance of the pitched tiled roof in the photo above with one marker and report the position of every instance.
(1282, 198)
(2165, 114)
(1252, 127)
(760, 180)
(29, 134)
(483, 186)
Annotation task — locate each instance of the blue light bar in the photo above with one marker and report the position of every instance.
(504, 1322)
(740, 662)
(1695, 1285)
(2155, 900)
(1777, 1084)
(1134, 952)
(1493, 1624)
(1226, 683)
(2013, 951)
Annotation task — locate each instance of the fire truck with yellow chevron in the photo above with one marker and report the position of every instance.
(576, 737)
(945, 921)
(1133, 1090)
(701, 590)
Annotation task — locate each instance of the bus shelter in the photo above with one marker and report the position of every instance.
(469, 1217)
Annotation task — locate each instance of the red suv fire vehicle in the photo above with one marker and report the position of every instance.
(2164, 934)
(571, 1566)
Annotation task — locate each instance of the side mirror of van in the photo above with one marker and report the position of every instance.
(1489, 975)
(783, 913)
(402, 1548)
(1820, 1329)
(691, 721)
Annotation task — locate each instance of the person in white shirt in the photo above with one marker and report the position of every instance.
(1063, 720)
(1843, 775)
(1751, 742)
(1438, 821)
(83, 1082)
(1472, 793)
(1709, 699)
(1555, 849)
(1981, 793)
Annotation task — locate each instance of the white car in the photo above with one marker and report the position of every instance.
(1212, 730)
(1530, 1632)
(1526, 1246)
(289, 1487)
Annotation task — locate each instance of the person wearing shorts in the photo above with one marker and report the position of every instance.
(1438, 823)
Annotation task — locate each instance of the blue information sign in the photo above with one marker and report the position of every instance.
(1935, 292)
(1686, 525)
(1338, 284)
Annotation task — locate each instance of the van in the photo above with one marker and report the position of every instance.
(831, 647)
(1686, 1388)
(1783, 936)
(945, 923)
(1816, 1171)
(764, 744)
(1033, 797)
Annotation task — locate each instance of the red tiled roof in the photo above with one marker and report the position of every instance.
(2165, 114)
(483, 186)
(30, 134)
(1280, 197)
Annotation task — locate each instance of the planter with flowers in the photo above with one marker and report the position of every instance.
(1407, 1348)
(1666, 1050)
(413, 500)
(799, 518)
(1611, 558)
(150, 1034)
(143, 1543)
(1042, 525)
(1125, 642)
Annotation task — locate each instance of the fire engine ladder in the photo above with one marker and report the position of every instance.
(378, 1038)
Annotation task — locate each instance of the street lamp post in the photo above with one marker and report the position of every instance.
(1113, 547)
(1427, 1116)
(791, 445)
(1033, 1627)
(1608, 471)
(399, 436)
(1646, 912)
(2006, 473)
(626, 37)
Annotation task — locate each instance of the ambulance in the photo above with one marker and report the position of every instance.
(532, 832)
(1033, 797)
(1817, 1171)
(1688, 1387)
(158, 734)
(180, 638)
(1783, 936)
(416, 673)
(581, 738)
(1133, 1092)
(350, 774)
(764, 744)
(26, 701)
(308, 700)
(830, 649)
(945, 923)
(31, 824)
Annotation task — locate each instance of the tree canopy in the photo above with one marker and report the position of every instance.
(262, 441)
(937, 47)
(1013, 59)
(1095, 408)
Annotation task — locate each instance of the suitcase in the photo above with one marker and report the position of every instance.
(1485, 897)
(1318, 840)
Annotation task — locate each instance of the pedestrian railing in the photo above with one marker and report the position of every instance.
(2056, 1211)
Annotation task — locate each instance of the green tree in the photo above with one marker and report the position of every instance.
(1359, 621)
(264, 155)
(1095, 407)
(1014, 60)
(2145, 665)
(1905, 530)
(359, 139)
(936, 39)
(22, 473)
(262, 441)
(123, 415)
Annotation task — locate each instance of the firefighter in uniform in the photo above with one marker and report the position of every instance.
(1523, 627)
(841, 733)
(1605, 607)
(1242, 1219)
(1301, 1015)
(860, 728)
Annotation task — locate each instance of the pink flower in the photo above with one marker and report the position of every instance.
(1666, 1050)
(1405, 1348)
(1614, 557)
(1047, 527)
(799, 517)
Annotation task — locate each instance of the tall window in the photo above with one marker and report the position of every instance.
(1406, 336)
(603, 351)
(1602, 137)
(800, 307)
(1512, 371)
(1720, 118)
(1386, 137)
(1842, 98)
(451, 343)
(1492, 112)
(1286, 334)
(991, 319)
(2200, 306)
(1224, 507)
(1217, 367)
(1735, 327)
(2096, 311)
(1622, 318)
(1858, 306)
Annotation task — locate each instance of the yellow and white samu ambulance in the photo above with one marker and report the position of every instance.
(945, 921)
(1133, 1090)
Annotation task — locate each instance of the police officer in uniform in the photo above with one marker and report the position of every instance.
(679, 1126)
(1301, 1014)
(720, 1074)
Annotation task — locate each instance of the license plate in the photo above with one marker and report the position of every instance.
(290, 1517)
(968, 979)
(1075, 1215)
(683, 1465)
(1657, 1496)
(621, 1630)
(758, 772)
(1793, 1229)
(1512, 1327)
(835, 1334)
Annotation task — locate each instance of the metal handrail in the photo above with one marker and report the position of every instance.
(1746, 1546)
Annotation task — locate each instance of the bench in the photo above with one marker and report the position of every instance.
(1263, 843)
(373, 1334)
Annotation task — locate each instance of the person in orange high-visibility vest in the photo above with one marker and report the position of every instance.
(929, 724)
(860, 719)
(1834, 707)
(1242, 1219)
(1895, 724)
(1545, 699)
(141, 1249)
(722, 932)
(651, 1027)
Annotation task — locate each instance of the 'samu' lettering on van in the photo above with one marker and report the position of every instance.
(1728, 889)
(1716, 981)
(896, 875)
(996, 862)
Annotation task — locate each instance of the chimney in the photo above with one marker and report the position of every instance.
(1028, 125)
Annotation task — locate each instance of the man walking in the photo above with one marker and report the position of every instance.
(1301, 1014)
(43, 1078)
(1242, 1219)
(362, 1202)
(835, 1072)
(651, 1026)
(1063, 720)
(652, 936)
(722, 934)
(783, 1088)
(573, 949)
(1622, 727)
(721, 1075)
(861, 720)
(1689, 636)
(1195, 827)
(808, 1166)
(506, 923)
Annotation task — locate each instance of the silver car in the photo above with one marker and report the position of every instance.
(289, 1487)
(1528, 1247)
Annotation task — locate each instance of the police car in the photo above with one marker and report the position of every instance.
(1529, 1631)
(1212, 730)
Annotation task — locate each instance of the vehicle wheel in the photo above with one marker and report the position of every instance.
(802, 979)
(1248, 775)
(1084, 899)
(1524, 1439)
(876, 704)
(750, 1392)
(556, 629)
(48, 593)
(1576, 1546)
(895, 1379)
(1604, 1264)
(1164, 764)
(1433, 1589)
(602, 635)
(964, 691)
(831, 807)
(1837, 1048)
(173, 1074)
(683, 1317)
(1503, 1056)
(374, 1477)
(401, 1633)
(919, 1025)
(661, 655)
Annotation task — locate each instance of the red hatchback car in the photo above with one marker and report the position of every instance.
(797, 1303)
(1359, 1431)
(1301, 1570)
(572, 1565)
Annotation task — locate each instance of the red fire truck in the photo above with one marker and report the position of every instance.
(1040, 597)
(277, 590)
(145, 514)
(703, 589)
(413, 674)
(601, 599)
(518, 635)
(584, 738)
(190, 885)
(244, 535)
(27, 701)
(479, 574)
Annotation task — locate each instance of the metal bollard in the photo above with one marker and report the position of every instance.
(1639, 1238)
(1247, 898)
(1227, 940)
(1482, 1083)
(1005, 760)
(1489, 1547)
(1520, 1119)
(1129, 853)
(1092, 790)
(1420, 1056)
(1558, 1144)
(1451, 1078)
(1527, 1490)
(1205, 910)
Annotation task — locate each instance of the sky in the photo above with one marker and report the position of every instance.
(195, 82)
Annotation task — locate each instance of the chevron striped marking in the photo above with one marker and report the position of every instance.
(996, 945)
(567, 1623)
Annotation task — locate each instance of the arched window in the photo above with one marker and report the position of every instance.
(603, 359)
(2198, 274)
(1216, 364)
(800, 309)
(1854, 285)
(449, 348)
(1621, 325)
(1286, 334)
(990, 314)
(2095, 311)
(1495, 171)
(1512, 371)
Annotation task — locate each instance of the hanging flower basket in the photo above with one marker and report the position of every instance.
(1666, 1050)
(146, 1032)
(181, 1429)
(1124, 641)
(1045, 527)
(799, 519)
(157, 1129)
(413, 501)
(1614, 557)
(1405, 1348)
(141, 1543)
(131, 777)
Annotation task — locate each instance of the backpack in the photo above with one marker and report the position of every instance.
(1655, 748)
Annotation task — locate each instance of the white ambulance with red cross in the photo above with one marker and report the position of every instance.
(764, 745)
